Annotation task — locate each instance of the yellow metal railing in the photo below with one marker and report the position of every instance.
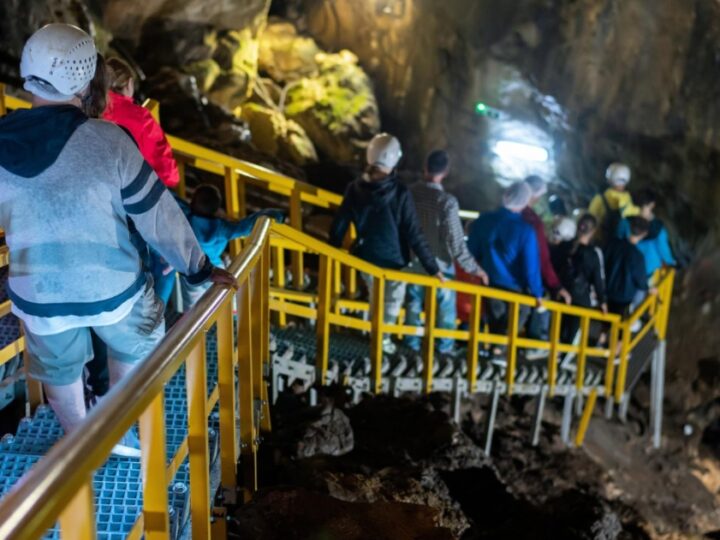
(59, 486)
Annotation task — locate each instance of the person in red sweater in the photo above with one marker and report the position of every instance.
(549, 277)
(149, 136)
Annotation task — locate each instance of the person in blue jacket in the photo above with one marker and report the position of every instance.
(388, 229)
(506, 246)
(655, 247)
(214, 233)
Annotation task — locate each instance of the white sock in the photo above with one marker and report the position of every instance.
(68, 402)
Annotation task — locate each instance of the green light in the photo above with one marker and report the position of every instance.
(481, 108)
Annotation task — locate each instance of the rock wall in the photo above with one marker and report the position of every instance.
(603, 79)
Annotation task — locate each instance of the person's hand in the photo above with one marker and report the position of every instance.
(653, 291)
(564, 295)
(441, 277)
(277, 215)
(604, 308)
(221, 276)
(483, 277)
(539, 303)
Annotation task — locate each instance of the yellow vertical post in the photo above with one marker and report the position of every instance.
(582, 355)
(264, 359)
(155, 481)
(228, 400)
(585, 420)
(513, 323)
(196, 383)
(298, 267)
(666, 291)
(622, 368)
(246, 399)
(3, 107)
(279, 278)
(612, 354)
(428, 343)
(473, 341)
(555, 326)
(350, 273)
(182, 186)
(377, 327)
(322, 328)
(77, 520)
(336, 285)
(232, 204)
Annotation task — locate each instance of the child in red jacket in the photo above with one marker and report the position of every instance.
(149, 136)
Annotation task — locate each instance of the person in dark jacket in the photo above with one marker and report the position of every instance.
(580, 267)
(626, 267)
(383, 212)
(506, 246)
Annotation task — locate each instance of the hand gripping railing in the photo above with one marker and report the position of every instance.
(59, 486)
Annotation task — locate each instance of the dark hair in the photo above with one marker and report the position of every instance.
(120, 73)
(437, 162)
(639, 226)
(206, 201)
(586, 224)
(94, 102)
(645, 197)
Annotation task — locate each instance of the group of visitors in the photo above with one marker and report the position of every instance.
(604, 259)
(93, 233)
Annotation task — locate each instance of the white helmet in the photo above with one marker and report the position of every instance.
(618, 174)
(384, 151)
(58, 62)
(564, 229)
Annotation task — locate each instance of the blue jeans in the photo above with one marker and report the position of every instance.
(446, 315)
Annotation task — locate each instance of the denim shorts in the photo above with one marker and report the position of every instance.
(58, 359)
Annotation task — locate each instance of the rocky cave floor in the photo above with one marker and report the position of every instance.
(414, 474)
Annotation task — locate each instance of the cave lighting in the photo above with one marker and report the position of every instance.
(512, 150)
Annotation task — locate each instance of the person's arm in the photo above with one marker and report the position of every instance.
(531, 263)
(663, 243)
(546, 268)
(157, 216)
(637, 271)
(451, 229)
(598, 276)
(157, 151)
(410, 227)
(341, 221)
(597, 208)
(245, 226)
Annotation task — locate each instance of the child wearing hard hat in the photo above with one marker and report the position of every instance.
(615, 203)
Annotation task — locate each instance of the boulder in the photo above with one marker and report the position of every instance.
(274, 134)
(337, 107)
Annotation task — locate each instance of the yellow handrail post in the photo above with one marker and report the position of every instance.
(336, 285)
(279, 278)
(196, 383)
(298, 267)
(262, 303)
(586, 416)
(622, 368)
(513, 323)
(228, 400)
(377, 322)
(555, 326)
(473, 341)
(182, 186)
(77, 521)
(155, 481)
(665, 292)
(612, 354)
(153, 106)
(322, 328)
(428, 343)
(246, 399)
(232, 203)
(582, 355)
(350, 273)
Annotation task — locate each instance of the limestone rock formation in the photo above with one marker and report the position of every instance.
(330, 95)
(329, 435)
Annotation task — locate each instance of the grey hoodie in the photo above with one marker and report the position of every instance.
(65, 197)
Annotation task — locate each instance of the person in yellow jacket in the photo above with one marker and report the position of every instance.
(615, 203)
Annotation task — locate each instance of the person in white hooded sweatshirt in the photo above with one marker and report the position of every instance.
(68, 187)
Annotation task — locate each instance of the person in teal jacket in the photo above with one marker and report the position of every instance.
(655, 248)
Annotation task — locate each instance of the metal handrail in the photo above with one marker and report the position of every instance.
(35, 503)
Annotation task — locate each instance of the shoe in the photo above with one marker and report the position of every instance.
(536, 354)
(128, 446)
(389, 347)
(636, 327)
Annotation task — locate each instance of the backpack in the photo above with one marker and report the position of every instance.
(611, 221)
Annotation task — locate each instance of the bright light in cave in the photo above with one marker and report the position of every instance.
(512, 150)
